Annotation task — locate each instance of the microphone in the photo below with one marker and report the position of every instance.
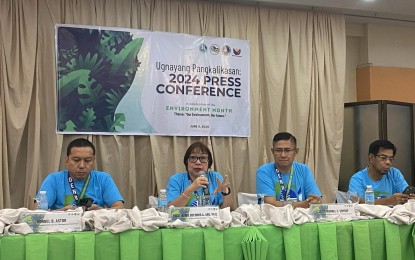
(205, 188)
(205, 198)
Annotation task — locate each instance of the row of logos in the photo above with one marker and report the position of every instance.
(225, 50)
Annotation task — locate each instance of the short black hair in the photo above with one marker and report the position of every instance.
(385, 144)
(284, 136)
(80, 142)
(197, 147)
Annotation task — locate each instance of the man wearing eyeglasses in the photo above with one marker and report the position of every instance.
(387, 182)
(186, 188)
(285, 181)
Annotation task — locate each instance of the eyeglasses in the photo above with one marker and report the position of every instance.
(283, 150)
(202, 159)
(384, 158)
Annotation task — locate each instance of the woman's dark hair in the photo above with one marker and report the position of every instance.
(198, 147)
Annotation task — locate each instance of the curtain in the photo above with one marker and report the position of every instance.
(297, 82)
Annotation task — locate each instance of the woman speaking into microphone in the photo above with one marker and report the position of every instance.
(198, 186)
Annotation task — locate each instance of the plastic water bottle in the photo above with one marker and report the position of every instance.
(42, 202)
(162, 201)
(369, 195)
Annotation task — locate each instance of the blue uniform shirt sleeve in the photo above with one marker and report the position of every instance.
(399, 180)
(358, 184)
(311, 185)
(175, 187)
(265, 183)
(110, 192)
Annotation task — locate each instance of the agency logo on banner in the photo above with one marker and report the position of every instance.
(135, 82)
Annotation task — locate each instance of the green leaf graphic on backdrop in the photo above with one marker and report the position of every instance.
(95, 71)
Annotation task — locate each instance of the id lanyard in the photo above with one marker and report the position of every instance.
(72, 186)
(285, 192)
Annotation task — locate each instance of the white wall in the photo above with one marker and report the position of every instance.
(391, 46)
(352, 61)
(378, 45)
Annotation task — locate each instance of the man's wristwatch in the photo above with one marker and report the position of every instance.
(226, 194)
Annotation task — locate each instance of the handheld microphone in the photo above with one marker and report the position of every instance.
(205, 188)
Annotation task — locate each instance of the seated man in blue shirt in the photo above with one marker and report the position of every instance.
(65, 189)
(284, 181)
(387, 182)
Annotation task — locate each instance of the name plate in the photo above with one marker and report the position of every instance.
(43, 222)
(193, 213)
(334, 211)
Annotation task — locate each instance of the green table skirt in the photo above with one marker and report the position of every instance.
(364, 239)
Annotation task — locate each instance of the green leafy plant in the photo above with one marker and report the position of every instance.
(95, 71)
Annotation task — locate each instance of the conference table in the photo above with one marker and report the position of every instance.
(359, 239)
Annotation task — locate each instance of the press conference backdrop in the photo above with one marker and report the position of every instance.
(137, 82)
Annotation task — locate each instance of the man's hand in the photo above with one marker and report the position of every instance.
(397, 198)
(68, 207)
(94, 207)
(314, 199)
(301, 204)
(116, 205)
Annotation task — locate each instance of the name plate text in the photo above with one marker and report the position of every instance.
(193, 213)
(333, 211)
(45, 221)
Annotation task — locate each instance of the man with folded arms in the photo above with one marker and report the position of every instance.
(65, 189)
(387, 182)
(284, 181)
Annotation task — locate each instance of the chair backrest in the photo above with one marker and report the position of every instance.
(341, 196)
(247, 198)
(153, 201)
